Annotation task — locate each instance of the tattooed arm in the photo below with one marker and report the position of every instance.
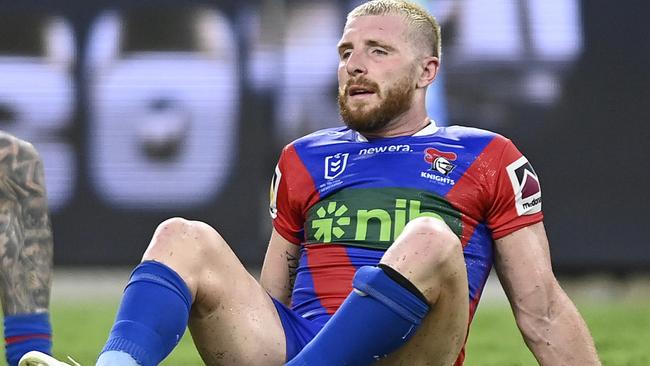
(280, 266)
(25, 233)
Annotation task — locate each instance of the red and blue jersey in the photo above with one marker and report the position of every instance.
(344, 199)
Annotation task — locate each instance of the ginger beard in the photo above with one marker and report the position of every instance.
(362, 117)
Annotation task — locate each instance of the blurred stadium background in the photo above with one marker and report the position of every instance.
(143, 110)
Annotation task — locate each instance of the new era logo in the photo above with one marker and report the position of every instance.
(335, 165)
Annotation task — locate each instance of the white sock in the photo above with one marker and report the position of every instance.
(115, 358)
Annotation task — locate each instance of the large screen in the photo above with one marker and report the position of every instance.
(151, 109)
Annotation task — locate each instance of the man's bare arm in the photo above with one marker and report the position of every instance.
(25, 232)
(549, 321)
(280, 266)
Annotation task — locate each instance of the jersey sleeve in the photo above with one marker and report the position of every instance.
(516, 200)
(292, 190)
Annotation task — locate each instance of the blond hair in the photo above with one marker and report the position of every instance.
(424, 26)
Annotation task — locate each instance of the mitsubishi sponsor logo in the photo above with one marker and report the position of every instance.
(335, 165)
(525, 184)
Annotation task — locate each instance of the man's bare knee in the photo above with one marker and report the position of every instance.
(189, 248)
(426, 239)
(430, 225)
(427, 253)
(181, 241)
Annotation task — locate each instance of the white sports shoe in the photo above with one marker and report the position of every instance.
(35, 358)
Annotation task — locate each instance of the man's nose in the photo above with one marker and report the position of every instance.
(355, 65)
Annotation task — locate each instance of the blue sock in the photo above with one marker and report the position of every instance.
(381, 313)
(152, 316)
(26, 332)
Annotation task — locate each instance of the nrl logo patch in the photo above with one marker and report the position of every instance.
(440, 161)
(335, 165)
(525, 184)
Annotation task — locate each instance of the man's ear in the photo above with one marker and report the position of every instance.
(430, 66)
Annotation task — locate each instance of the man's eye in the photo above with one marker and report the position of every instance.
(345, 54)
(379, 51)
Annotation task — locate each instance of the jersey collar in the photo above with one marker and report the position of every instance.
(430, 129)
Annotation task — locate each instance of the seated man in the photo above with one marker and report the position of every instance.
(384, 234)
(25, 250)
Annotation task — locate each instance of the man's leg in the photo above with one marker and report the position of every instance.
(413, 306)
(25, 250)
(430, 255)
(232, 319)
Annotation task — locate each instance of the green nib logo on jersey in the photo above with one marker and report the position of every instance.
(325, 227)
(374, 217)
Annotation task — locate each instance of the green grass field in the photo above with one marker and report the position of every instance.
(621, 331)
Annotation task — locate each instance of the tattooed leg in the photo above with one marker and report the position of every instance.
(25, 248)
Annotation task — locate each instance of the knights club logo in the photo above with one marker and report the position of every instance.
(335, 165)
(525, 184)
(440, 161)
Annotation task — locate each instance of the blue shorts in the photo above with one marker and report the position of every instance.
(298, 331)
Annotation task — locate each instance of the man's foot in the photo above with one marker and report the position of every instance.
(35, 358)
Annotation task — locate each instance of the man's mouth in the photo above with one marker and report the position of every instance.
(356, 90)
